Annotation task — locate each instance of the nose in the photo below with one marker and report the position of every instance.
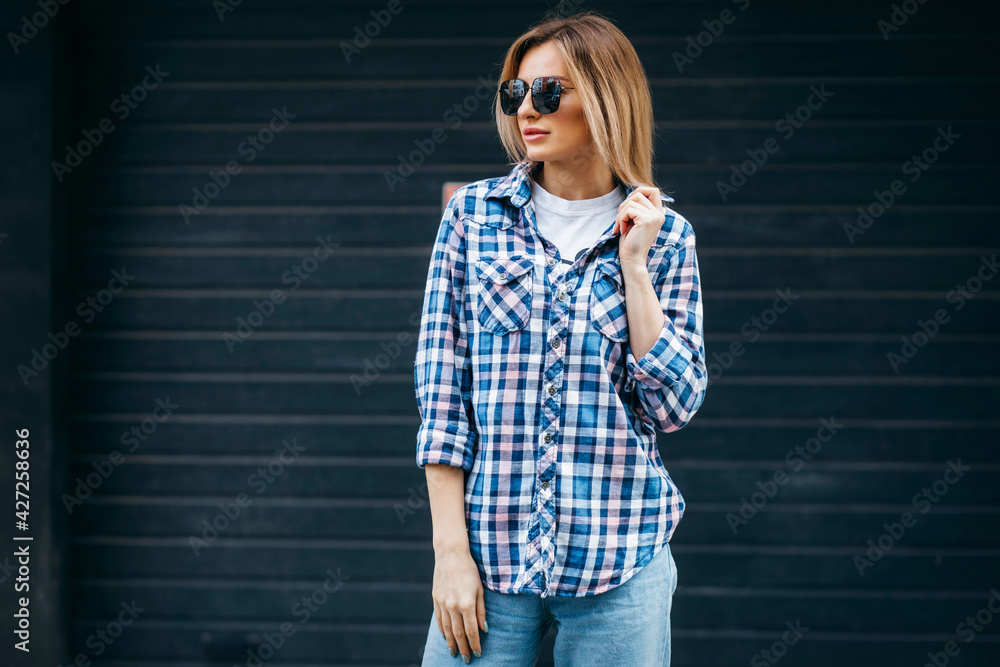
(527, 108)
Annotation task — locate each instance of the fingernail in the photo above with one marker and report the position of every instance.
(452, 651)
(477, 654)
(486, 626)
(465, 658)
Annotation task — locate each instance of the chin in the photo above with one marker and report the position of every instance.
(536, 154)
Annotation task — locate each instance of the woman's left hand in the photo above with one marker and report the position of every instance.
(639, 220)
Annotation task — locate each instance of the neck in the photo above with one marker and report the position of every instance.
(573, 182)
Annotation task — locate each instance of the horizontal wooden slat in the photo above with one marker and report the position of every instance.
(729, 226)
(309, 393)
(697, 144)
(736, 565)
(808, 479)
(399, 644)
(967, 184)
(870, 56)
(695, 607)
(396, 268)
(185, 19)
(702, 443)
(370, 353)
(277, 517)
(815, 312)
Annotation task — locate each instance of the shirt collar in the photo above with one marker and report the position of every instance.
(515, 186)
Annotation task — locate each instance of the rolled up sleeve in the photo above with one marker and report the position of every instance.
(441, 371)
(671, 378)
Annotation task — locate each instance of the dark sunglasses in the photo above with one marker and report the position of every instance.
(545, 94)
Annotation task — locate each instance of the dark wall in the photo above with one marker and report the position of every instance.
(34, 353)
(182, 419)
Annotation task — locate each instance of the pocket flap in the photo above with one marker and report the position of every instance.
(503, 269)
(609, 268)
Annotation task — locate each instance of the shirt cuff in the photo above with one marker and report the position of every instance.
(664, 364)
(445, 449)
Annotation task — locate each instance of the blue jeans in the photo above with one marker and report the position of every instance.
(627, 625)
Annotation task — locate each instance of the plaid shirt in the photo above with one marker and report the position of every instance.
(525, 379)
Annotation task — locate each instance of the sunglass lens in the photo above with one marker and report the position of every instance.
(511, 96)
(545, 93)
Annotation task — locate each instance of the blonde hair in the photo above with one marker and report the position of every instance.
(613, 89)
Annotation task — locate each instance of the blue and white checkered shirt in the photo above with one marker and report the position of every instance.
(525, 379)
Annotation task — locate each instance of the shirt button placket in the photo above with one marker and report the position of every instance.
(551, 418)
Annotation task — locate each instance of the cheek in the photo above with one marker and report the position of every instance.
(578, 125)
(573, 129)
(579, 132)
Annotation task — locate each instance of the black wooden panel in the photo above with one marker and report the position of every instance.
(207, 61)
(718, 226)
(894, 107)
(775, 184)
(692, 143)
(784, 568)
(697, 607)
(390, 269)
(366, 354)
(346, 310)
(313, 393)
(296, 378)
(704, 442)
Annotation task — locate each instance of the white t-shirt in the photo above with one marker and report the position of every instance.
(574, 225)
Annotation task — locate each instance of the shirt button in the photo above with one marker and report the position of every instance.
(552, 390)
(545, 485)
(555, 343)
(552, 261)
(547, 438)
(503, 275)
(561, 297)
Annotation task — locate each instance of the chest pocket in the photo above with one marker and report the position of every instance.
(607, 302)
(504, 302)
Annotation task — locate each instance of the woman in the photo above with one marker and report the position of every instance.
(561, 328)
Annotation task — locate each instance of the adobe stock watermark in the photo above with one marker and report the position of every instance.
(59, 341)
(47, 10)
(967, 630)
(363, 35)
(101, 639)
(455, 115)
(249, 148)
(922, 502)
(796, 459)
(915, 167)
(223, 7)
(259, 480)
(7, 570)
(103, 469)
(779, 649)
(900, 14)
(120, 107)
(927, 329)
(786, 127)
(390, 351)
(752, 330)
(269, 643)
(713, 30)
(417, 499)
(264, 308)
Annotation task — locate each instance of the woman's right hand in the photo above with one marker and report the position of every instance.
(458, 601)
